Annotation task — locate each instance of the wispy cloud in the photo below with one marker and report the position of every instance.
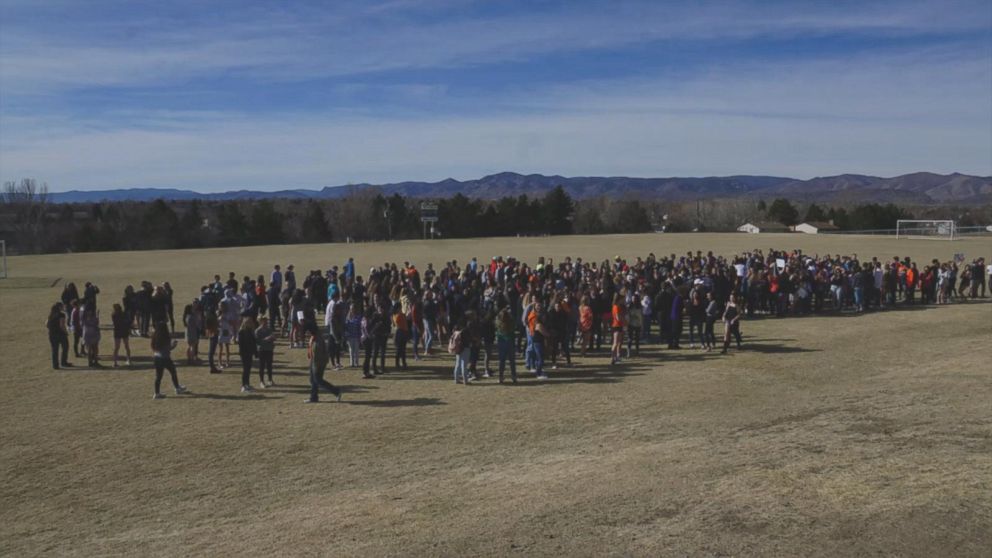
(920, 103)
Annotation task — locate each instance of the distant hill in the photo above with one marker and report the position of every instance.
(916, 188)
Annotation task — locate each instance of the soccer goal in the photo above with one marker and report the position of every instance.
(932, 230)
(3, 257)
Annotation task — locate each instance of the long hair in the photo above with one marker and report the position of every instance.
(161, 338)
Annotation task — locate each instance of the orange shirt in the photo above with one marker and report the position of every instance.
(531, 321)
(399, 320)
(585, 318)
(617, 316)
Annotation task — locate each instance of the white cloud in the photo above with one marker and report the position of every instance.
(887, 116)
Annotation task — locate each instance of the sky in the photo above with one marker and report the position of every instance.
(222, 95)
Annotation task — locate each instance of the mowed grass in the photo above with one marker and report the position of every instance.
(832, 435)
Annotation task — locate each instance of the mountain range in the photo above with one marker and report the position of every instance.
(916, 188)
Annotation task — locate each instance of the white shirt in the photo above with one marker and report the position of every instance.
(329, 312)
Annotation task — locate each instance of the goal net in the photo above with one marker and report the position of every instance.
(934, 229)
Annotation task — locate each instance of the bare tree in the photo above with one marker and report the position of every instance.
(26, 202)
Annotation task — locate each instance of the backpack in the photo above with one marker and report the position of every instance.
(455, 343)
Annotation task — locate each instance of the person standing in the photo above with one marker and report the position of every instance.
(266, 339)
(162, 345)
(91, 335)
(122, 333)
(247, 345)
(401, 337)
(617, 324)
(76, 327)
(58, 336)
(193, 320)
(505, 326)
(211, 327)
(458, 347)
(731, 323)
(317, 354)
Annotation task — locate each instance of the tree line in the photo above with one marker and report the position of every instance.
(30, 223)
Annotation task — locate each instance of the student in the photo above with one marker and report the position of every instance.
(462, 352)
(353, 333)
(211, 327)
(585, 324)
(91, 335)
(731, 322)
(368, 324)
(712, 314)
(58, 335)
(76, 327)
(505, 327)
(538, 338)
(193, 321)
(247, 345)
(122, 333)
(635, 325)
(401, 337)
(617, 323)
(317, 353)
(225, 336)
(162, 345)
(265, 337)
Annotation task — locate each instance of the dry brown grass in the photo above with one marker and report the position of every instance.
(828, 436)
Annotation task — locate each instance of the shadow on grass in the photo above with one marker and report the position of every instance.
(233, 397)
(417, 402)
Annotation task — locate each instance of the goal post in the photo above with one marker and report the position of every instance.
(932, 229)
(3, 257)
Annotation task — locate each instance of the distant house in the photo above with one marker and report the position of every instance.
(762, 227)
(816, 227)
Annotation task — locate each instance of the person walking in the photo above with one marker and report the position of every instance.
(58, 336)
(162, 345)
(317, 353)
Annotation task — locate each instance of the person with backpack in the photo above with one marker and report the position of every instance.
(462, 351)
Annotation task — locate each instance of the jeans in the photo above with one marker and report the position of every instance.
(538, 349)
(506, 354)
(379, 353)
(708, 336)
(859, 297)
(369, 363)
(264, 363)
(529, 354)
(317, 381)
(428, 335)
(461, 364)
(161, 365)
(415, 337)
(59, 341)
(354, 345)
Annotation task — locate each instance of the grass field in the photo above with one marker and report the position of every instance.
(835, 435)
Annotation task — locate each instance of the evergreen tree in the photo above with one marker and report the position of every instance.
(557, 211)
(815, 213)
(315, 227)
(783, 211)
(266, 224)
(232, 225)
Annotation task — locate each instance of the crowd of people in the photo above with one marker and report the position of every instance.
(485, 314)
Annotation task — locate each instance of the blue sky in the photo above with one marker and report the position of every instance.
(268, 95)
